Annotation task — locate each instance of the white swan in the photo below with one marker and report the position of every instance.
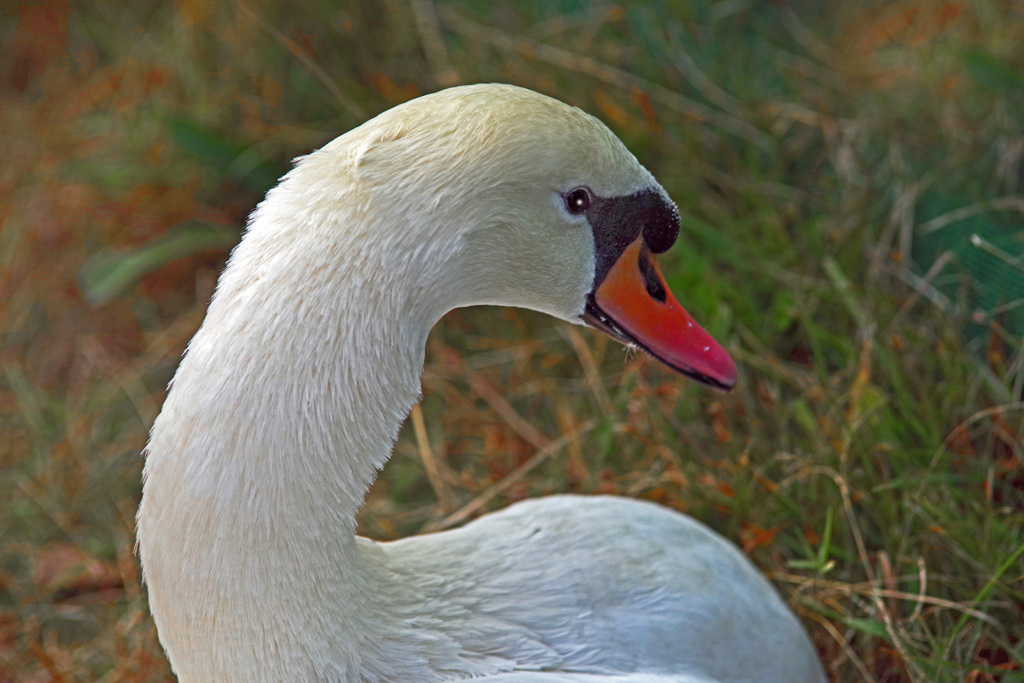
(293, 390)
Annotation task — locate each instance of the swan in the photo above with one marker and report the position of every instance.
(291, 394)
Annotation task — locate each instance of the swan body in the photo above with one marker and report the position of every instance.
(292, 392)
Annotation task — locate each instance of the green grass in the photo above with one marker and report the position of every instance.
(870, 460)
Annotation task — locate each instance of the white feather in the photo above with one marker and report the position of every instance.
(293, 390)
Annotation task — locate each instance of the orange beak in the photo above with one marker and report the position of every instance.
(633, 305)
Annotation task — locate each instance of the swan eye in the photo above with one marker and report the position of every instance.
(577, 201)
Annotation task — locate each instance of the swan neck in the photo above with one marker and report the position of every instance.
(285, 406)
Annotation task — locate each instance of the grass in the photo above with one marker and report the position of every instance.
(870, 460)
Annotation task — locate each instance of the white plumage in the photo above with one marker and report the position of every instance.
(293, 390)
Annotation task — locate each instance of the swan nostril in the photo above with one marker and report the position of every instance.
(652, 281)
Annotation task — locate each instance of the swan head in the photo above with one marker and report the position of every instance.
(543, 208)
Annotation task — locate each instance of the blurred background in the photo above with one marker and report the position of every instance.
(850, 178)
